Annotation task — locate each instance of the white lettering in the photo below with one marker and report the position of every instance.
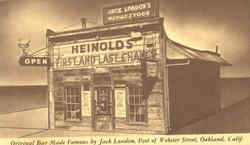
(45, 61)
(27, 61)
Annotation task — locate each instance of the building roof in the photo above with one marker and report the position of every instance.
(176, 51)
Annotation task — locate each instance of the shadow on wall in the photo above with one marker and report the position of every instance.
(19, 98)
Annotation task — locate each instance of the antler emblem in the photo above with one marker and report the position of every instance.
(24, 45)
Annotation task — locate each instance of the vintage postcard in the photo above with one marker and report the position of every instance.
(103, 72)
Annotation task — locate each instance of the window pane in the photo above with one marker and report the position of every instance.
(132, 109)
(137, 100)
(131, 100)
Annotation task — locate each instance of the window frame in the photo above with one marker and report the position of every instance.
(145, 106)
(73, 94)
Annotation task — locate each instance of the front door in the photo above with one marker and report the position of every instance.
(103, 108)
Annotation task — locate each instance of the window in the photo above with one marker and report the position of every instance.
(73, 103)
(137, 105)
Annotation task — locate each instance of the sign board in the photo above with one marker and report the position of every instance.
(132, 11)
(99, 53)
(34, 61)
(86, 103)
(120, 102)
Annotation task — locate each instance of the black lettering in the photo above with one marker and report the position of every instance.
(82, 48)
(111, 59)
(74, 49)
(81, 62)
(116, 57)
(106, 60)
(64, 62)
(103, 46)
(110, 46)
(95, 47)
(119, 44)
(100, 60)
(129, 44)
(75, 60)
(136, 55)
(130, 56)
(87, 60)
(88, 47)
(93, 59)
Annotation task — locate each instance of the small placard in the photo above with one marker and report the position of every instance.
(120, 102)
(86, 103)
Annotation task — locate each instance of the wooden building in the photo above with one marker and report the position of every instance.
(121, 77)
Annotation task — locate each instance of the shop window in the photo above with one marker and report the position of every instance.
(137, 105)
(73, 103)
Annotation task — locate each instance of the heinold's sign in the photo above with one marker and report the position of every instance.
(130, 12)
(34, 61)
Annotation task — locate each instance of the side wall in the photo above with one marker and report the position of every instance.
(194, 92)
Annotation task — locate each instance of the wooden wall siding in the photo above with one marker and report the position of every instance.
(193, 92)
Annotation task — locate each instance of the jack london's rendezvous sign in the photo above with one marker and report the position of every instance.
(130, 12)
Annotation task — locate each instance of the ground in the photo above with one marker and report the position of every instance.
(34, 123)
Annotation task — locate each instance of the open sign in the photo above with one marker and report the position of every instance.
(34, 61)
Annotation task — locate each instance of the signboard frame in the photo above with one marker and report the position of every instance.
(154, 11)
